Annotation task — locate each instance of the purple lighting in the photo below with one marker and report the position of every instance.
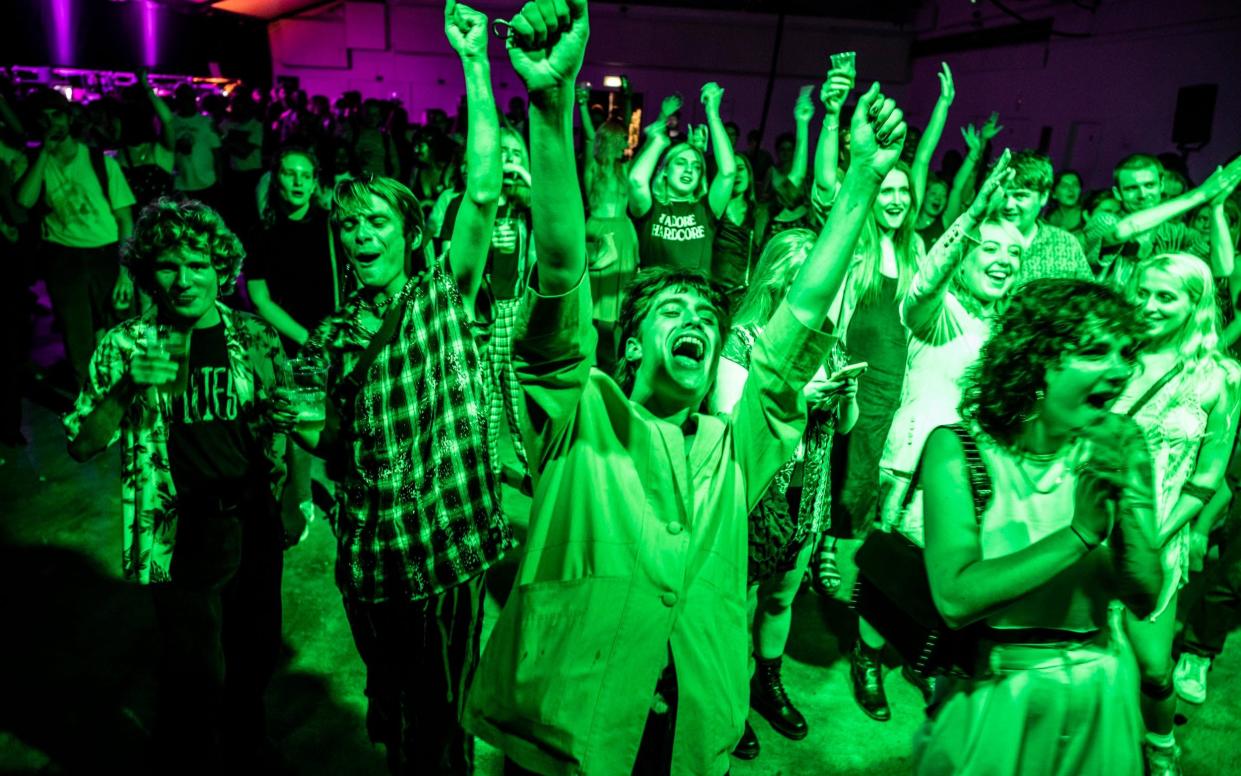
(62, 30)
(150, 34)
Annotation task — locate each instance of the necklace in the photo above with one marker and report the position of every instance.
(1054, 467)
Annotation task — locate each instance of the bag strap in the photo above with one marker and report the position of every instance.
(980, 479)
(351, 384)
(100, 166)
(1155, 389)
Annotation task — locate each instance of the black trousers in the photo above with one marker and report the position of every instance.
(1218, 611)
(420, 658)
(79, 284)
(219, 618)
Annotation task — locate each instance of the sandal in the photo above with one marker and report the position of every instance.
(825, 576)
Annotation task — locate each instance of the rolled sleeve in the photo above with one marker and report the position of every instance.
(552, 357)
(770, 418)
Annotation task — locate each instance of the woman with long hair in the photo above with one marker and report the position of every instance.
(739, 235)
(1034, 563)
(611, 240)
(868, 319)
(673, 208)
(1065, 209)
(1185, 398)
(794, 510)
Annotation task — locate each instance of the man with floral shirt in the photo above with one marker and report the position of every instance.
(202, 470)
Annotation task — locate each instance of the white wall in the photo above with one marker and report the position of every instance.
(399, 49)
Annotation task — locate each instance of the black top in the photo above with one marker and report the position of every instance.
(735, 253)
(295, 259)
(678, 234)
(211, 450)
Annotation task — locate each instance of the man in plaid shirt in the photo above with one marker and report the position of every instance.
(417, 517)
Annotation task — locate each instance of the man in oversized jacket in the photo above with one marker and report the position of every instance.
(623, 647)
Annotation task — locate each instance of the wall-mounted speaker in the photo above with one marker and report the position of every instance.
(1195, 112)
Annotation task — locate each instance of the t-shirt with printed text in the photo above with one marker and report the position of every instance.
(677, 234)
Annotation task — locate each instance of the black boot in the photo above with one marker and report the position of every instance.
(924, 684)
(747, 748)
(769, 698)
(867, 672)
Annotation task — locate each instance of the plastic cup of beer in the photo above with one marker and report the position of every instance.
(306, 387)
(846, 60)
(173, 344)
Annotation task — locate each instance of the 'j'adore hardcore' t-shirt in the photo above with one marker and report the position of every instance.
(677, 234)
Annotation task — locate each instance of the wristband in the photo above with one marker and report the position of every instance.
(1199, 492)
(1078, 534)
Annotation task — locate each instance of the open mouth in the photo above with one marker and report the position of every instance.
(366, 259)
(1103, 400)
(688, 351)
(999, 274)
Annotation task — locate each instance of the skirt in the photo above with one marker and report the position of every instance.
(1037, 710)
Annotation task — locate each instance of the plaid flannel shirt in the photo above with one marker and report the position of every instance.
(417, 509)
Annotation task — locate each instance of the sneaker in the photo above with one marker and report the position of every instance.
(1190, 677)
(1162, 760)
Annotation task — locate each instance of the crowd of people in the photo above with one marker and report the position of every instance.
(719, 373)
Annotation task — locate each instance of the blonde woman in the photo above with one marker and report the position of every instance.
(1184, 397)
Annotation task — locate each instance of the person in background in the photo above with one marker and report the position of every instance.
(199, 161)
(417, 520)
(147, 143)
(1066, 527)
(673, 209)
(1185, 397)
(1065, 208)
(739, 236)
(794, 511)
(242, 145)
(202, 469)
(930, 224)
(89, 212)
(1049, 251)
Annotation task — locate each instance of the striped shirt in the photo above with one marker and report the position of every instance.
(417, 506)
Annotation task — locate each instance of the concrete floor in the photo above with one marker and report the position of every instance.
(79, 643)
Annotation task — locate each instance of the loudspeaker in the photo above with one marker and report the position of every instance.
(1195, 111)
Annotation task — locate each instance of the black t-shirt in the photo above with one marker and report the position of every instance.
(211, 450)
(678, 234)
(295, 259)
(507, 273)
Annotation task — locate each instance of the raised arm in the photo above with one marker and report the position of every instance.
(1222, 180)
(466, 29)
(725, 160)
(876, 136)
(582, 95)
(926, 296)
(643, 167)
(832, 94)
(1223, 247)
(162, 112)
(546, 49)
(934, 130)
(962, 192)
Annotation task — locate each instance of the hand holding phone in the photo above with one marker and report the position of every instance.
(848, 372)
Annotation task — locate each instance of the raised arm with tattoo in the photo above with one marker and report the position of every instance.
(466, 29)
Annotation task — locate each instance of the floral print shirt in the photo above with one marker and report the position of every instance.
(148, 497)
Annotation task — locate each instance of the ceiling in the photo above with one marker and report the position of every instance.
(899, 11)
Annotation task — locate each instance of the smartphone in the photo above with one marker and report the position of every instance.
(852, 370)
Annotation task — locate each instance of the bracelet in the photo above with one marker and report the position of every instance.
(1078, 534)
(1199, 492)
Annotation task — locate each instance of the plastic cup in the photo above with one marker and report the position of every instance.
(173, 344)
(305, 385)
(846, 60)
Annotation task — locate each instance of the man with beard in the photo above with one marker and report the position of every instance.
(623, 645)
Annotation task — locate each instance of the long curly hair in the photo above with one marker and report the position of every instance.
(1045, 321)
(171, 224)
(1198, 340)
